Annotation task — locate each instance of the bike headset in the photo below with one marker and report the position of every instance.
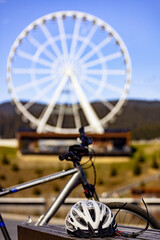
(94, 219)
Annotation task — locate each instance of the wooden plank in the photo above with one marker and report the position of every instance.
(58, 232)
(29, 232)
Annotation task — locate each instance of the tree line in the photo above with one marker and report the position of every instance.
(141, 117)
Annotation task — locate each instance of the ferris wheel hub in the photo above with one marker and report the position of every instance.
(69, 71)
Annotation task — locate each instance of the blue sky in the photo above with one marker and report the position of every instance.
(136, 21)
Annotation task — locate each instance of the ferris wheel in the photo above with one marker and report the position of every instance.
(69, 69)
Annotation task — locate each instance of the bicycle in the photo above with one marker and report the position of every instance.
(78, 176)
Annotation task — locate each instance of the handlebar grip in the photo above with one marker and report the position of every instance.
(65, 156)
(61, 158)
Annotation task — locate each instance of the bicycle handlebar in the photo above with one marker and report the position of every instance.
(68, 156)
(65, 156)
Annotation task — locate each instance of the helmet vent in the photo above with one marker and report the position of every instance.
(70, 226)
(81, 221)
(74, 213)
(79, 207)
(105, 218)
(100, 207)
(92, 213)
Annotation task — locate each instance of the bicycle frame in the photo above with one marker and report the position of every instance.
(78, 177)
(37, 181)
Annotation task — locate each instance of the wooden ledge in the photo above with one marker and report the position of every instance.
(58, 232)
(48, 232)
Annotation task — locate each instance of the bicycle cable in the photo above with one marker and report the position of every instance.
(91, 156)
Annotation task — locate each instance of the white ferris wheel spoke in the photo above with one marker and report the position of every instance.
(50, 40)
(86, 106)
(107, 72)
(24, 87)
(33, 58)
(40, 95)
(96, 49)
(32, 71)
(87, 40)
(60, 116)
(89, 87)
(116, 72)
(33, 84)
(40, 46)
(103, 59)
(46, 113)
(113, 88)
(62, 36)
(75, 37)
(107, 104)
(92, 80)
(75, 110)
(34, 41)
(76, 115)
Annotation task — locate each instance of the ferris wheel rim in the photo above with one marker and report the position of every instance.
(90, 17)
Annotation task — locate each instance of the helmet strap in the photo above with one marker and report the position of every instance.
(133, 235)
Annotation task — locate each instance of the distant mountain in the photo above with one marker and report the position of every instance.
(10, 121)
(141, 117)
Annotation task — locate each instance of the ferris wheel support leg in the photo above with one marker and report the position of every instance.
(90, 114)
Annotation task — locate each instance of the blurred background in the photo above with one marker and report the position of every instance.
(67, 64)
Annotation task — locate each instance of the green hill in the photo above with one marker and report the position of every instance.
(141, 117)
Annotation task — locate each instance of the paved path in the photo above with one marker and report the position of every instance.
(11, 222)
(11, 225)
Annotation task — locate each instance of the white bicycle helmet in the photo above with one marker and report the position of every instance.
(90, 219)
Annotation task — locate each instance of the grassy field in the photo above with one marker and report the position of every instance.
(112, 172)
